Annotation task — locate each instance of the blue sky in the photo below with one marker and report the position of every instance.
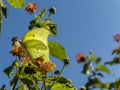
(83, 25)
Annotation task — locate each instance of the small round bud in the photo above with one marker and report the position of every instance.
(52, 10)
(56, 72)
(66, 61)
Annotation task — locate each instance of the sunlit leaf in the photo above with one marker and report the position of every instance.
(16, 3)
(61, 87)
(103, 68)
(57, 50)
(22, 87)
(92, 58)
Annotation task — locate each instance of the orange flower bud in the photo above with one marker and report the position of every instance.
(81, 57)
(31, 7)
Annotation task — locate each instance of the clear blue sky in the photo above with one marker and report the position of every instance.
(83, 25)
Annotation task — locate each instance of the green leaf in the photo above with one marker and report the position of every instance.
(42, 13)
(16, 3)
(30, 84)
(57, 50)
(60, 80)
(8, 70)
(3, 11)
(61, 87)
(95, 82)
(92, 58)
(3, 8)
(51, 26)
(53, 29)
(115, 60)
(22, 87)
(103, 68)
(116, 84)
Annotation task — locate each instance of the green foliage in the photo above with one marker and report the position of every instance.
(16, 3)
(103, 68)
(42, 13)
(115, 61)
(36, 46)
(61, 80)
(46, 23)
(116, 84)
(3, 11)
(8, 70)
(29, 83)
(61, 87)
(92, 58)
(22, 87)
(57, 50)
(96, 83)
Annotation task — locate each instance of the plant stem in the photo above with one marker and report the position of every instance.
(61, 70)
(34, 14)
(44, 83)
(17, 74)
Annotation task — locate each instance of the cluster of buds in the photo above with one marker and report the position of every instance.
(17, 49)
(44, 67)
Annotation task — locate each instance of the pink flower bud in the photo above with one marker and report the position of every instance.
(117, 37)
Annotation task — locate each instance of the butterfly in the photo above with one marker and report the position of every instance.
(35, 43)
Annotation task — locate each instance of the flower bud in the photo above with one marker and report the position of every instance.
(81, 57)
(31, 7)
(117, 37)
(52, 10)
